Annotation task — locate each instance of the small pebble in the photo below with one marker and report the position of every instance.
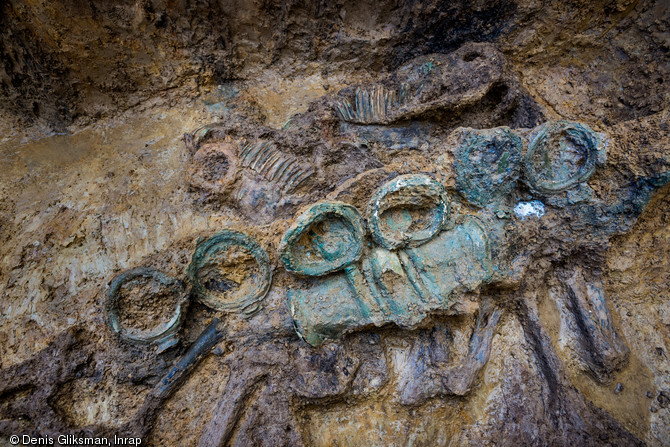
(649, 394)
(619, 388)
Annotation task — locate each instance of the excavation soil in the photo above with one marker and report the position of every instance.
(97, 178)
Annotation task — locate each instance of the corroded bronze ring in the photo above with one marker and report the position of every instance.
(561, 155)
(325, 238)
(164, 335)
(408, 211)
(230, 272)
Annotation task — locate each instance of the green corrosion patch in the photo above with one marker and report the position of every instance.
(325, 238)
(488, 163)
(149, 301)
(230, 272)
(561, 155)
(415, 269)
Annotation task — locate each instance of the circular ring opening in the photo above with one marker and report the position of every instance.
(142, 295)
(408, 211)
(214, 167)
(230, 272)
(561, 155)
(323, 239)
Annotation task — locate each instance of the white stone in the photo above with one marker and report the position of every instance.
(526, 209)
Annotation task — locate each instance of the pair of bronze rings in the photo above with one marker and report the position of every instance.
(245, 299)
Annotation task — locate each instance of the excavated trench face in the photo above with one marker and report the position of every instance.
(353, 224)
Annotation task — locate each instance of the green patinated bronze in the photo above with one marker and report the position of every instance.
(323, 239)
(404, 286)
(415, 270)
(487, 165)
(165, 335)
(225, 294)
(390, 211)
(562, 154)
(326, 238)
